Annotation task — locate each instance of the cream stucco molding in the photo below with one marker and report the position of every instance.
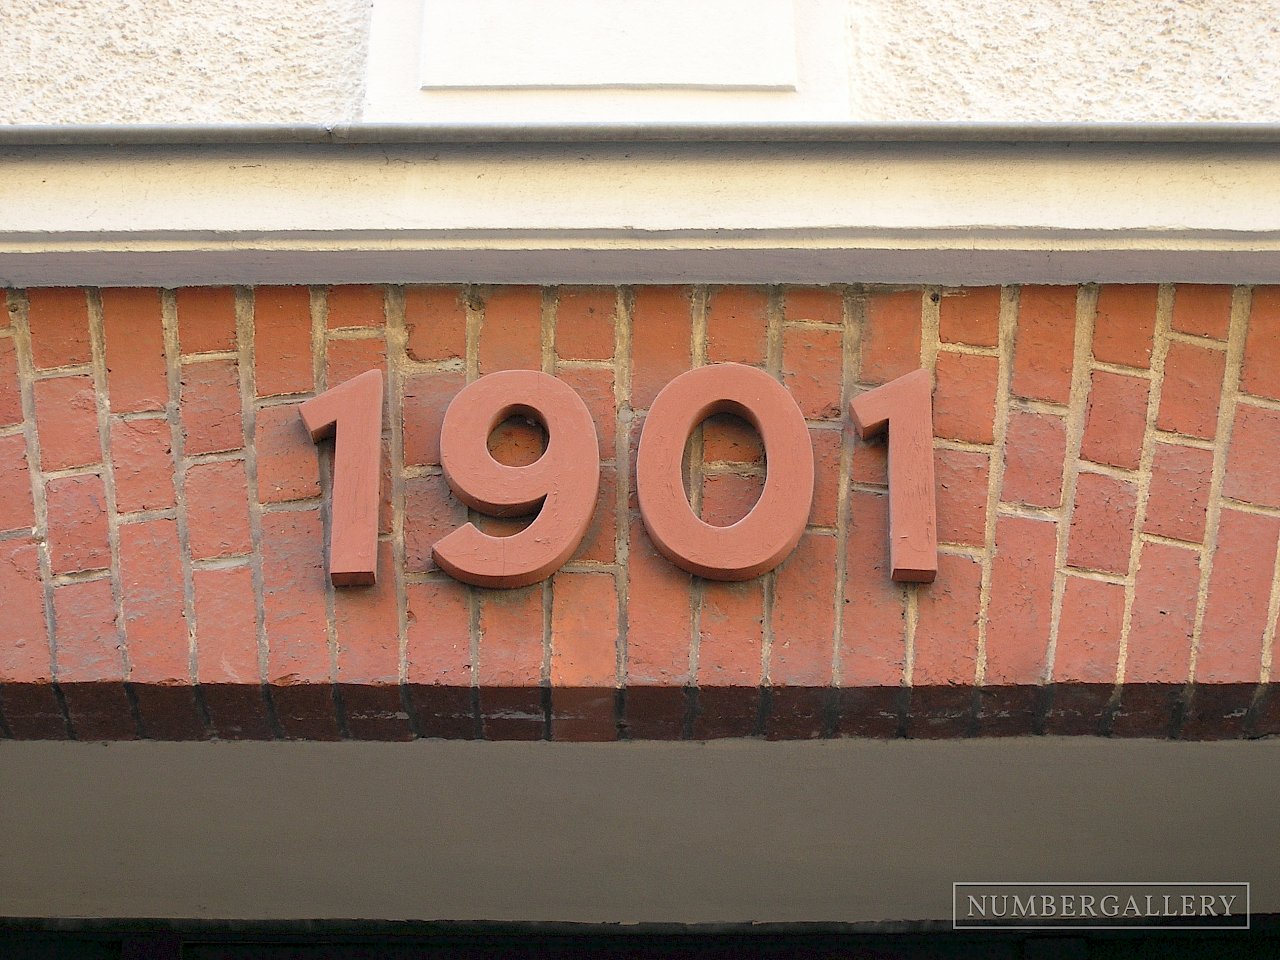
(647, 211)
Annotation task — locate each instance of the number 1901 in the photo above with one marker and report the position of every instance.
(561, 487)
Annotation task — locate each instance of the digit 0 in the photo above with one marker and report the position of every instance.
(564, 482)
(764, 537)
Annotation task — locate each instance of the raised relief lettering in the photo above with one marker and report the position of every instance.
(904, 407)
(562, 485)
(764, 537)
(351, 413)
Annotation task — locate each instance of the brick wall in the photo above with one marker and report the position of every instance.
(1108, 507)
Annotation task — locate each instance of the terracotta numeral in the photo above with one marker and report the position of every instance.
(764, 537)
(905, 408)
(564, 482)
(352, 413)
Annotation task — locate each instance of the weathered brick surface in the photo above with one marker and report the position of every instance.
(163, 534)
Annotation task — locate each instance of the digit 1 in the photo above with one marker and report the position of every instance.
(352, 413)
(764, 537)
(905, 408)
(562, 485)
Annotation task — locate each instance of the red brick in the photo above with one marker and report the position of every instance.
(32, 712)
(584, 630)
(1021, 605)
(1262, 345)
(350, 358)
(946, 637)
(1088, 646)
(67, 421)
(282, 360)
(1202, 309)
(306, 711)
(98, 711)
(658, 611)
(1116, 420)
(799, 712)
(436, 323)
(946, 649)
(964, 405)
(509, 670)
(804, 615)
(826, 481)
(426, 398)
(210, 408)
(367, 627)
(511, 642)
(877, 711)
(870, 463)
(24, 654)
(1235, 617)
(8, 310)
(88, 648)
(59, 323)
(891, 336)
(815, 304)
(727, 438)
(731, 635)
(226, 626)
(737, 325)
(970, 315)
(287, 464)
(1163, 619)
(134, 333)
(438, 645)
(10, 394)
(960, 478)
(16, 509)
(356, 305)
(600, 541)
(511, 334)
(811, 370)
(154, 621)
(439, 633)
(237, 711)
(584, 323)
(731, 632)
(142, 456)
(595, 387)
(661, 341)
(584, 656)
(728, 497)
(1044, 355)
(431, 512)
(873, 639)
(217, 497)
(1035, 450)
(206, 319)
(77, 524)
(26, 696)
(298, 665)
(1251, 461)
(1179, 492)
(1125, 324)
(1102, 524)
(1190, 391)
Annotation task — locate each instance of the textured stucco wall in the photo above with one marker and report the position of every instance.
(169, 61)
(1031, 60)
(75, 61)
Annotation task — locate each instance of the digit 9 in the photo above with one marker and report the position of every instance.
(561, 486)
